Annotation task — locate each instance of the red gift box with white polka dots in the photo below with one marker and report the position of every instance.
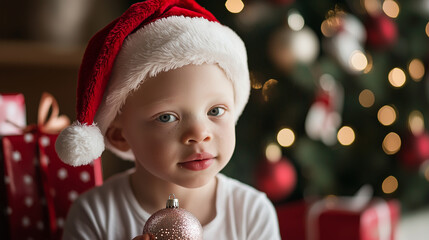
(39, 187)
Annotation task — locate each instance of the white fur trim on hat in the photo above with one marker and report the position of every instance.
(167, 44)
(79, 144)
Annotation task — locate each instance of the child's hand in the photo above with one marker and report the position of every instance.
(146, 236)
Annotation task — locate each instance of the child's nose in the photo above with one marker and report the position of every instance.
(196, 132)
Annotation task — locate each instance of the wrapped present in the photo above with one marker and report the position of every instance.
(12, 113)
(39, 187)
(361, 217)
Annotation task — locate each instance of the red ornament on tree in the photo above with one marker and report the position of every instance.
(381, 31)
(173, 222)
(276, 177)
(415, 150)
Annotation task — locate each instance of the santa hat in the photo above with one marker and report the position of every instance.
(150, 37)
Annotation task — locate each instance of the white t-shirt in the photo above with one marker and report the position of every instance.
(111, 211)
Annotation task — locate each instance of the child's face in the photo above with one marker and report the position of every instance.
(180, 124)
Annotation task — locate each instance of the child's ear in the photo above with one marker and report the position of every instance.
(114, 135)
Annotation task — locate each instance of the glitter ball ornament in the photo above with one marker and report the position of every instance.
(173, 222)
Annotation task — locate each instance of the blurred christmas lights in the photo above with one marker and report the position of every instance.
(416, 122)
(366, 98)
(427, 29)
(397, 77)
(416, 69)
(424, 169)
(391, 8)
(267, 88)
(358, 61)
(286, 137)
(273, 152)
(371, 6)
(234, 6)
(389, 185)
(391, 143)
(295, 21)
(346, 136)
(386, 115)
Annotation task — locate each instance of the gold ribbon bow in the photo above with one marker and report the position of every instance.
(55, 122)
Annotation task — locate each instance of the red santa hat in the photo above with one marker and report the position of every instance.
(150, 37)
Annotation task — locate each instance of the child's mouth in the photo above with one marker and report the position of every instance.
(198, 161)
(197, 165)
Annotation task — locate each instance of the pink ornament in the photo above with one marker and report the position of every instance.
(277, 179)
(173, 222)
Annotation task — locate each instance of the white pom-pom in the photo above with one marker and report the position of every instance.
(79, 144)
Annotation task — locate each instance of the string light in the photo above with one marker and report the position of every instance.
(397, 77)
(424, 169)
(295, 21)
(346, 136)
(234, 6)
(389, 185)
(358, 61)
(416, 123)
(366, 98)
(416, 69)
(256, 84)
(386, 115)
(391, 143)
(273, 152)
(391, 8)
(369, 64)
(286, 137)
(371, 6)
(267, 88)
(427, 29)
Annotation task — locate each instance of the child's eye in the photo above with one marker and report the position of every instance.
(165, 118)
(216, 111)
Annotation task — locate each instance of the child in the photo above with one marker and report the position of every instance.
(163, 85)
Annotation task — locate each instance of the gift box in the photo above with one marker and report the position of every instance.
(38, 187)
(12, 113)
(335, 218)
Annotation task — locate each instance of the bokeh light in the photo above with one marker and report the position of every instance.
(234, 6)
(389, 185)
(427, 29)
(369, 65)
(295, 21)
(346, 136)
(268, 87)
(372, 6)
(386, 115)
(273, 153)
(366, 98)
(254, 81)
(391, 143)
(424, 169)
(286, 137)
(397, 77)
(391, 8)
(416, 122)
(416, 69)
(358, 61)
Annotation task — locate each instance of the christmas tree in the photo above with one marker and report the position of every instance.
(339, 91)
